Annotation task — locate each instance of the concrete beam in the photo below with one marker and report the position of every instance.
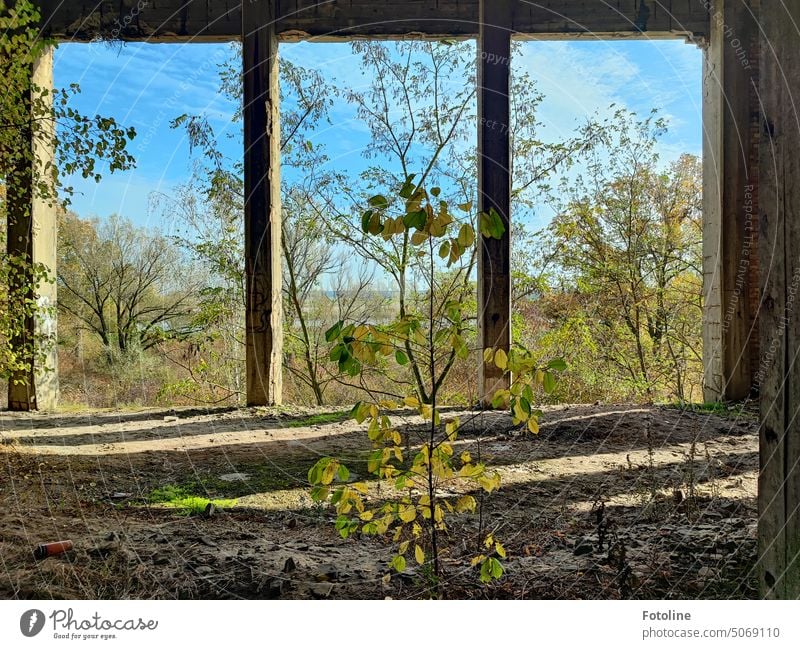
(220, 20)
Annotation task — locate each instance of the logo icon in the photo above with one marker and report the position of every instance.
(31, 622)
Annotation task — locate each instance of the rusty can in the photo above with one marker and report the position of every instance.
(44, 550)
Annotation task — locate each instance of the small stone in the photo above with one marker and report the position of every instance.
(208, 542)
(322, 591)
(210, 510)
(170, 418)
(705, 572)
(582, 547)
(273, 589)
(289, 565)
(327, 572)
(103, 551)
(234, 477)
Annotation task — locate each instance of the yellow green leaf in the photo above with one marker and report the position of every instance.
(399, 563)
(466, 504)
(419, 554)
(466, 236)
(411, 402)
(407, 513)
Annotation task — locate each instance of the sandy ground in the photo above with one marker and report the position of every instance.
(606, 502)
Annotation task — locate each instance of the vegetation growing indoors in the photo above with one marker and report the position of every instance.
(397, 327)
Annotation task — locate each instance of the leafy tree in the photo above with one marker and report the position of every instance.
(215, 231)
(628, 238)
(309, 254)
(422, 124)
(128, 286)
(35, 119)
(426, 473)
(44, 116)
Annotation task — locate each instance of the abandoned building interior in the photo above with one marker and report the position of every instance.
(751, 184)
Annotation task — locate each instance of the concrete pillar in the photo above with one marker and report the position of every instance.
(730, 236)
(262, 208)
(779, 317)
(494, 188)
(31, 236)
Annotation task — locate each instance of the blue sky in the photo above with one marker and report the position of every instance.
(145, 86)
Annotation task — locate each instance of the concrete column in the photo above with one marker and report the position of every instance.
(713, 375)
(262, 208)
(494, 188)
(32, 237)
(730, 118)
(779, 317)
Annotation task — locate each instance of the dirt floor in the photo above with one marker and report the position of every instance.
(606, 502)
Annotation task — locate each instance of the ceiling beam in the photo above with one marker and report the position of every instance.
(332, 20)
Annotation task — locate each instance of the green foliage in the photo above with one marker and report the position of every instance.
(186, 502)
(34, 121)
(316, 420)
(127, 285)
(19, 281)
(617, 288)
(29, 112)
(528, 378)
(416, 512)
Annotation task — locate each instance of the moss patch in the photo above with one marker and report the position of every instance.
(319, 419)
(185, 501)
